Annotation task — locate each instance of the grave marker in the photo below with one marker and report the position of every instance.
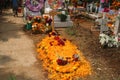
(117, 26)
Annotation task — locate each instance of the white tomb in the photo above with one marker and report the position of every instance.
(58, 23)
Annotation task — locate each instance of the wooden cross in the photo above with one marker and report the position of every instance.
(53, 13)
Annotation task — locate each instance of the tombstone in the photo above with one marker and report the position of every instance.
(33, 8)
(91, 7)
(103, 27)
(117, 26)
(96, 7)
(67, 23)
(47, 7)
(88, 7)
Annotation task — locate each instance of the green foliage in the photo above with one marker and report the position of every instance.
(62, 17)
(12, 77)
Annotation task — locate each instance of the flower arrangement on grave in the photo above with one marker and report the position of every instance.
(116, 4)
(40, 23)
(61, 58)
(109, 40)
(110, 24)
(62, 16)
(111, 21)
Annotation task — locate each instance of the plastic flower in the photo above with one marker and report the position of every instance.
(110, 41)
(104, 38)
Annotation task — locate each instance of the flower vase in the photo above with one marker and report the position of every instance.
(29, 26)
(19, 10)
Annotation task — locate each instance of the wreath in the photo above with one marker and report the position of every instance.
(36, 7)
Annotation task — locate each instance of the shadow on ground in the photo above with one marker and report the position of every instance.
(9, 29)
(5, 59)
(9, 75)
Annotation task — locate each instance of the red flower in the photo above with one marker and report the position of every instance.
(61, 62)
(30, 18)
(61, 42)
(56, 38)
(49, 21)
(106, 10)
(64, 39)
(118, 39)
(51, 43)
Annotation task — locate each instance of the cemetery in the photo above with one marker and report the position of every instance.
(73, 39)
(53, 51)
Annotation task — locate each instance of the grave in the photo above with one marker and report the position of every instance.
(57, 21)
(117, 26)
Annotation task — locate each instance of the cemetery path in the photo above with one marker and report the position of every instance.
(17, 51)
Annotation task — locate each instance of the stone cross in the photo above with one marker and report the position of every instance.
(104, 27)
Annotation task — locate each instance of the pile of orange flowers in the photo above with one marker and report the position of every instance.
(62, 59)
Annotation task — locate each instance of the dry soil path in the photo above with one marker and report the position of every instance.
(17, 51)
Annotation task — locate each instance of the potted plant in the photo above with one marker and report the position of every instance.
(62, 17)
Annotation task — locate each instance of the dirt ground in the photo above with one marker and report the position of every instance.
(105, 62)
(17, 51)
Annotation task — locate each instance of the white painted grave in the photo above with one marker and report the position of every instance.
(58, 23)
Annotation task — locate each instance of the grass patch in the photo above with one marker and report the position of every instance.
(12, 77)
